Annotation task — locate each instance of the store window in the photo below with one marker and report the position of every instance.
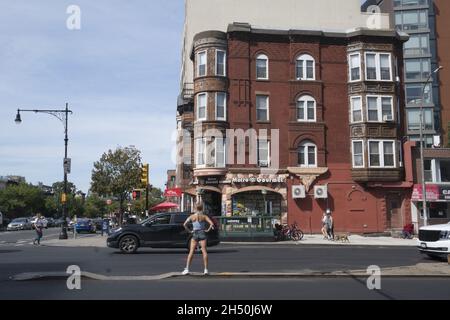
(444, 166)
(256, 203)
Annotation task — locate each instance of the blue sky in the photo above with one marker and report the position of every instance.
(119, 73)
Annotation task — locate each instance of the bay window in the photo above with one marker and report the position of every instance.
(201, 64)
(201, 106)
(220, 63)
(358, 153)
(221, 106)
(380, 108)
(382, 153)
(378, 67)
(356, 109)
(355, 67)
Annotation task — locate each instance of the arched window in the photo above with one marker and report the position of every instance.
(305, 67)
(262, 67)
(307, 155)
(306, 109)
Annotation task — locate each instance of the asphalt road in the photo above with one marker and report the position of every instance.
(16, 258)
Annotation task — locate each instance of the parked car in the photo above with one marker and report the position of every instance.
(435, 240)
(85, 225)
(163, 230)
(19, 224)
(50, 222)
(44, 222)
(58, 222)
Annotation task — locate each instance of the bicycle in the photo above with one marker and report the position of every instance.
(284, 233)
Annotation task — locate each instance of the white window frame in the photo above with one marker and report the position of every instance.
(350, 67)
(381, 152)
(206, 106)
(303, 58)
(268, 107)
(363, 154)
(262, 56)
(206, 63)
(200, 144)
(224, 118)
(378, 65)
(223, 140)
(379, 108)
(305, 99)
(352, 109)
(224, 63)
(304, 145)
(268, 153)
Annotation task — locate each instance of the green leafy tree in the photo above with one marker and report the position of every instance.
(116, 174)
(95, 206)
(21, 200)
(75, 204)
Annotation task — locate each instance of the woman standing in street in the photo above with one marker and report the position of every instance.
(198, 220)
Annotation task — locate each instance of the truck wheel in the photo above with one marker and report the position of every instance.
(129, 244)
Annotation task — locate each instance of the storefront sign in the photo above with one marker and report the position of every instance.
(259, 180)
(434, 193)
(174, 192)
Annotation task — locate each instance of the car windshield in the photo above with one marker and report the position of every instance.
(20, 220)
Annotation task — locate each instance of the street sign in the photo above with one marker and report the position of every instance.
(67, 165)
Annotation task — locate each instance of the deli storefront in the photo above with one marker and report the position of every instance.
(438, 203)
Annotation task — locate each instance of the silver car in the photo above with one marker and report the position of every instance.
(19, 224)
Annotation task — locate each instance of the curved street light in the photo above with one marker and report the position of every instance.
(63, 116)
(422, 162)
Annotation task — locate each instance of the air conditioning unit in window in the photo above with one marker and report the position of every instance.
(320, 192)
(298, 192)
(387, 119)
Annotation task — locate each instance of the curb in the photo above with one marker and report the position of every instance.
(220, 275)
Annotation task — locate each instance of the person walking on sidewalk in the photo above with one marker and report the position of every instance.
(38, 226)
(329, 224)
(324, 226)
(198, 220)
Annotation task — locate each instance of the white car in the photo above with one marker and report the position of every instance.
(44, 222)
(435, 240)
(19, 224)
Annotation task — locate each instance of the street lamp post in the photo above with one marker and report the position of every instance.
(422, 162)
(63, 116)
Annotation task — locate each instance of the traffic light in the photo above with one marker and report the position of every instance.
(144, 175)
(136, 194)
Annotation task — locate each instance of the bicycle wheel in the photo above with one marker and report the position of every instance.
(300, 233)
(295, 235)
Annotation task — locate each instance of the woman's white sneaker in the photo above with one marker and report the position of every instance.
(185, 272)
(206, 272)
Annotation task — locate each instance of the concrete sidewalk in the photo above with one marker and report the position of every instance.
(354, 240)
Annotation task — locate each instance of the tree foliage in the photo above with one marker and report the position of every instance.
(21, 200)
(117, 173)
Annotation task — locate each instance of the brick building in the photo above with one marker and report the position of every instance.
(321, 115)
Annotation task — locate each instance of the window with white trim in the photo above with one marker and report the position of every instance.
(263, 153)
(307, 155)
(378, 66)
(220, 63)
(200, 145)
(358, 153)
(355, 66)
(221, 106)
(201, 106)
(262, 67)
(262, 108)
(305, 67)
(201, 63)
(382, 153)
(356, 109)
(210, 152)
(380, 108)
(306, 109)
